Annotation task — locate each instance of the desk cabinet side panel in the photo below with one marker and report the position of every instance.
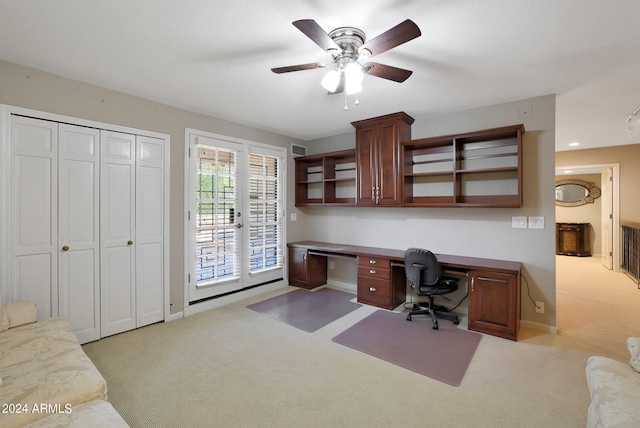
(305, 270)
(494, 304)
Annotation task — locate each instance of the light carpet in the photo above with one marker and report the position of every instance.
(233, 367)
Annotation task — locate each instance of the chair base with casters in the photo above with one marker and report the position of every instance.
(428, 308)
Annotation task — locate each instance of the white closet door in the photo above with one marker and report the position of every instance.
(149, 230)
(78, 230)
(34, 221)
(117, 232)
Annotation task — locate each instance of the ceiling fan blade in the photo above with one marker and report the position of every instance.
(396, 36)
(313, 31)
(387, 72)
(310, 66)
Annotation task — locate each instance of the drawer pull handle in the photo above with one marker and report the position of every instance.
(372, 289)
(372, 272)
(482, 278)
(372, 262)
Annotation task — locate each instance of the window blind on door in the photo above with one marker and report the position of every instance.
(265, 213)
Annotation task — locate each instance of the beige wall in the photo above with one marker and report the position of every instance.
(629, 159)
(588, 213)
(465, 231)
(33, 89)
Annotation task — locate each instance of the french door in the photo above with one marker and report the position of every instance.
(234, 215)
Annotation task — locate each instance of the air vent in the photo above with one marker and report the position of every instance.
(298, 150)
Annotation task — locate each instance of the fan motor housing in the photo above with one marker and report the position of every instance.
(350, 39)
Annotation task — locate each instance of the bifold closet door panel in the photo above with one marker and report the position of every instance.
(78, 230)
(149, 230)
(33, 212)
(117, 232)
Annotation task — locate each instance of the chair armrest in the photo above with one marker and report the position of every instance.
(20, 313)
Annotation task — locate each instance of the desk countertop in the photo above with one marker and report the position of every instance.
(446, 260)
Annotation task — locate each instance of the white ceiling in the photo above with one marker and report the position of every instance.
(214, 57)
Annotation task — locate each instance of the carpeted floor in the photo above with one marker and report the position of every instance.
(234, 367)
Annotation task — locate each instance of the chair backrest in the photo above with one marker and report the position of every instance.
(421, 267)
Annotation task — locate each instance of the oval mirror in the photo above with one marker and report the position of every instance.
(573, 193)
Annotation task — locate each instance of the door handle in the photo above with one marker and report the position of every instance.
(239, 225)
(129, 242)
(65, 248)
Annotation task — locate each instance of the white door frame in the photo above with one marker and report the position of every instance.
(213, 303)
(615, 167)
(5, 115)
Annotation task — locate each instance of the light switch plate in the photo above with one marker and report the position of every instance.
(519, 222)
(294, 216)
(536, 222)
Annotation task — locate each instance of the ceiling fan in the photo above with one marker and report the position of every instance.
(347, 45)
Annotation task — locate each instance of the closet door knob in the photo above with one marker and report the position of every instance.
(65, 248)
(130, 243)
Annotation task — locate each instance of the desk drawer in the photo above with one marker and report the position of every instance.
(374, 262)
(376, 292)
(374, 271)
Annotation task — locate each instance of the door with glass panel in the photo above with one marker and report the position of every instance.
(234, 217)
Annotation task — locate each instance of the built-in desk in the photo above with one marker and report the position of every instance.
(494, 285)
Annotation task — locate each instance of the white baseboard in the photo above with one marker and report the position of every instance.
(176, 316)
(232, 298)
(539, 327)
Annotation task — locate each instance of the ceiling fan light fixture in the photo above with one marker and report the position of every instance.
(353, 78)
(331, 80)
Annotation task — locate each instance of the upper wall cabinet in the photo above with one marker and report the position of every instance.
(326, 179)
(378, 158)
(387, 168)
(478, 169)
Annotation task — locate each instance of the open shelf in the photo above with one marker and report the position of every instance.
(479, 169)
(326, 179)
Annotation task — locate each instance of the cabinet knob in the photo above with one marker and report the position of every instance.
(372, 289)
(372, 262)
(129, 242)
(372, 272)
(65, 248)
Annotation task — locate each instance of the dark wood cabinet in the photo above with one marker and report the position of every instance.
(477, 169)
(306, 270)
(326, 179)
(378, 158)
(494, 303)
(380, 283)
(573, 239)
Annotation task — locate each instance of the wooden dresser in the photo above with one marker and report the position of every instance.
(573, 239)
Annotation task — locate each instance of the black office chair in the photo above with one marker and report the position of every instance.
(424, 273)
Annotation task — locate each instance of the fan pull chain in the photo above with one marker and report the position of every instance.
(345, 101)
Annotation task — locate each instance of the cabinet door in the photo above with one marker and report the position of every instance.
(117, 232)
(366, 161)
(78, 230)
(298, 269)
(388, 158)
(34, 214)
(494, 303)
(149, 241)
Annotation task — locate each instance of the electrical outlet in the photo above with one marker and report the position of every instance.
(519, 222)
(540, 307)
